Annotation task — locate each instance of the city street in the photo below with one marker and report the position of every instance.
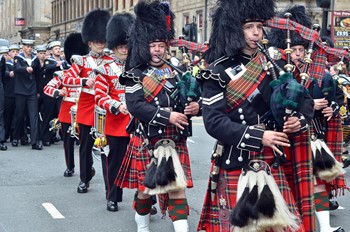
(35, 197)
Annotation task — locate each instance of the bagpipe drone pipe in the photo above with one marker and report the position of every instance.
(326, 167)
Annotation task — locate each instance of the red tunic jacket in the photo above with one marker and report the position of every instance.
(109, 92)
(80, 71)
(52, 89)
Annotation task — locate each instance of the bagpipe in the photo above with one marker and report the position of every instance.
(287, 94)
(187, 87)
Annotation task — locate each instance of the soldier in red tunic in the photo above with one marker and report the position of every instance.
(110, 96)
(54, 88)
(81, 75)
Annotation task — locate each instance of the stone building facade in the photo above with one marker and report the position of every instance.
(48, 20)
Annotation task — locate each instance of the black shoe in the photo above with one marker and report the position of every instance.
(68, 172)
(83, 187)
(46, 144)
(112, 206)
(14, 143)
(346, 161)
(339, 229)
(153, 210)
(333, 205)
(37, 146)
(3, 147)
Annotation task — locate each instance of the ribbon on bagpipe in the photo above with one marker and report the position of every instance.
(192, 46)
(326, 167)
(164, 173)
(321, 55)
(260, 205)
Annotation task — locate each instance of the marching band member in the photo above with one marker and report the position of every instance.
(159, 137)
(50, 106)
(236, 103)
(110, 96)
(333, 136)
(55, 89)
(81, 75)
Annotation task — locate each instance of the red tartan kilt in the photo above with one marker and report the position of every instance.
(215, 216)
(133, 170)
(334, 140)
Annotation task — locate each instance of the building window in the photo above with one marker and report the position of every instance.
(186, 19)
(116, 5)
(124, 4)
(131, 3)
(200, 19)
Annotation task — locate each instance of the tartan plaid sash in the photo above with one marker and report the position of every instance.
(154, 81)
(240, 89)
(322, 53)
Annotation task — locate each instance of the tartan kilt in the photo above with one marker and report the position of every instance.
(215, 214)
(299, 173)
(133, 169)
(334, 140)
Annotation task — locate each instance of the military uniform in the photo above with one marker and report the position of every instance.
(10, 103)
(110, 94)
(80, 71)
(52, 89)
(26, 97)
(50, 106)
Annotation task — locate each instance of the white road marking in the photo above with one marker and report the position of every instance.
(51, 209)
(190, 140)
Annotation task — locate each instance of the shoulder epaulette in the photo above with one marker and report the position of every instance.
(77, 59)
(101, 70)
(220, 60)
(213, 72)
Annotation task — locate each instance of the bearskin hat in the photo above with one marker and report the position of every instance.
(74, 45)
(117, 29)
(154, 22)
(277, 37)
(227, 36)
(94, 26)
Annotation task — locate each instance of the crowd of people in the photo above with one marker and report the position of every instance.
(276, 102)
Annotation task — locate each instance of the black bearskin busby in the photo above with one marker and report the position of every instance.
(74, 45)
(117, 29)
(154, 22)
(94, 26)
(277, 37)
(227, 36)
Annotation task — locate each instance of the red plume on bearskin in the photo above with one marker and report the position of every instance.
(74, 45)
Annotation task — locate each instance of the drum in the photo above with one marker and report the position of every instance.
(99, 121)
(74, 129)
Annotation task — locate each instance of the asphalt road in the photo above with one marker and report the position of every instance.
(35, 197)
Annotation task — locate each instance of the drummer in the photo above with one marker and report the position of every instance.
(54, 88)
(110, 95)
